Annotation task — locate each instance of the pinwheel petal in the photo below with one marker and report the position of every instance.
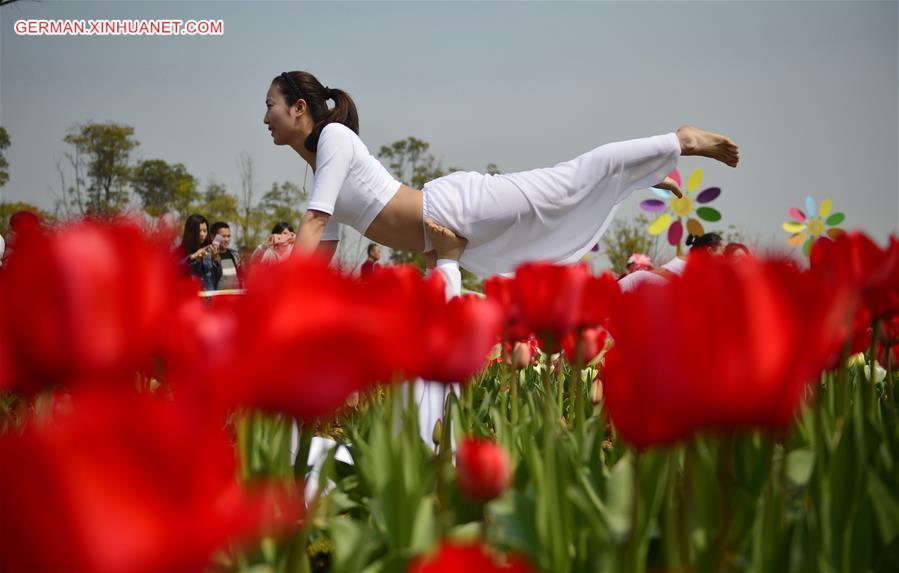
(708, 195)
(653, 205)
(694, 181)
(676, 176)
(793, 227)
(797, 214)
(694, 227)
(807, 247)
(810, 208)
(797, 239)
(675, 233)
(835, 219)
(835, 233)
(660, 224)
(661, 193)
(708, 214)
(826, 206)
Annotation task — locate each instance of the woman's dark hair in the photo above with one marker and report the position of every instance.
(707, 242)
(280, 226)
(306, 87)
(190, 240)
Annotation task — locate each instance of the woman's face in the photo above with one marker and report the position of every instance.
(203, 232)
(278, 116)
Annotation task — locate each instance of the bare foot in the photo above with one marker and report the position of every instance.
(671, 185)
(447, 244)
(695, 141)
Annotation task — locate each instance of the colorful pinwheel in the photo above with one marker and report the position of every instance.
(682, 208)
(808, 227)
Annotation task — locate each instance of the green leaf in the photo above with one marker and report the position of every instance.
(620, 494)
(886, 508)
(800, 464)
(708, 214)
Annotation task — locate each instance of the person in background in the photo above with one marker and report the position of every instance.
(277, 246)
(369, 266)
(638, 262)
(710, 242)
(199, 253)
(232, 274)
(20, 224)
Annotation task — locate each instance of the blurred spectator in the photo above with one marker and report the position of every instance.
(735, 250)
(638, 262)
(232, 274)
(369, 266)
(21, 223)
(277, 246)
(199, 252)
(711, 242)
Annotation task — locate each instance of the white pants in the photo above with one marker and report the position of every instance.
(553, 214)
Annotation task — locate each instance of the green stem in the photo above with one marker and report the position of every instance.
(635, 517)
(515, 383)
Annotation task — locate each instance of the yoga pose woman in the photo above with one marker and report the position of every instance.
(553, 214)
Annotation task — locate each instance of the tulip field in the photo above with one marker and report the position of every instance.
(741, 417)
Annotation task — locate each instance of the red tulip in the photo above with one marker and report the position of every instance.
(551, 298)
(454, 557)
(308, 338)
(855, 258)
(592, 341)
(733, 343)
(502, 291)
(90, 301)
(120, 482)
(483, 468)
(456, 338)
(600, 297)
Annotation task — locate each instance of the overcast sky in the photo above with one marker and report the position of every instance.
(808, 89)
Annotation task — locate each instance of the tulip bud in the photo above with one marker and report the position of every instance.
(438, 432)
(483, 469)
(521, 355)
(596, 391)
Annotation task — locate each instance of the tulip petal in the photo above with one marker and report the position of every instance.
(675, 233)
(797, 239)
(694, 181)
(826, 206)
(708, 214)
(793, 227)
(807, 247)
(653, 205)
(675, 174)
(660, 224)
(835, 219)
(708, 195)
(810, 207)
(797, 214)
(694, 227)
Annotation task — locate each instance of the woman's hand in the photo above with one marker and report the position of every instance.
(199, 254)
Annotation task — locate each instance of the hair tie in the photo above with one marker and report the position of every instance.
(327, 93)
(294, 88)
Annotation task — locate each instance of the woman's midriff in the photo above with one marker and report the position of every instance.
(400, 224)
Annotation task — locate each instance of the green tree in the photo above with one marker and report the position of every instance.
(410, 161)
(626, 237)
(4, 164)
(216, 204)
(100, 155)
(283, 202)
(163, 187)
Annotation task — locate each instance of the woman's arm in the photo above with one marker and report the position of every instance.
(327, 248)
(312, 228)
